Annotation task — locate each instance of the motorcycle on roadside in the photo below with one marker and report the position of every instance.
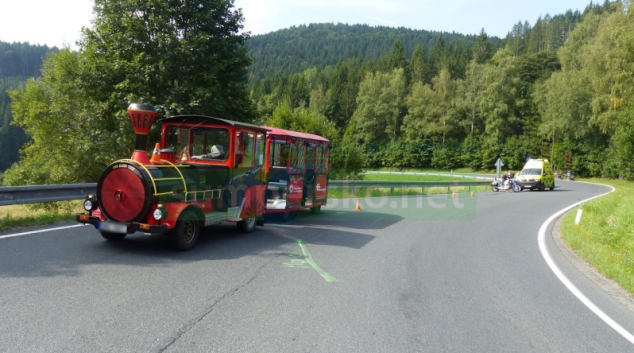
(505, 184)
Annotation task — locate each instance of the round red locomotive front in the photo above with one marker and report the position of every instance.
(123, 193)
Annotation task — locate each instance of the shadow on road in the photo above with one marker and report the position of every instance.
(66, 254)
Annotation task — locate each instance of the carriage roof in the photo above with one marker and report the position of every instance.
(197, 119)
(295, 134)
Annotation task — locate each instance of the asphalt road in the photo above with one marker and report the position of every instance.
(379, 280)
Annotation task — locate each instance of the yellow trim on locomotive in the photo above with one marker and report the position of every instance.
(182, 178)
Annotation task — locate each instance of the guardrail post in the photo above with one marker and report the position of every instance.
(392, 190)
(449, 189)
(469, 188)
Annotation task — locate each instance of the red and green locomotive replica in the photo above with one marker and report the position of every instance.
(206, 171)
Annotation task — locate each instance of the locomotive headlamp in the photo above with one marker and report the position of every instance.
(157, 214)
(90, 204)
(160, 212)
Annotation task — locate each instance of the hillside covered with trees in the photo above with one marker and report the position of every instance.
(319, 45)
(18, 62)
(560, 89)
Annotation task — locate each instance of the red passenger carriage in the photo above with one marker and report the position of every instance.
(297, 171)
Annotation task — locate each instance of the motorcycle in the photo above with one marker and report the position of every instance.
(570, 176)
(559, 176)
(499, 184)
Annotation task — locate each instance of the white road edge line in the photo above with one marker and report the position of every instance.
(541, 238)
(39, 231)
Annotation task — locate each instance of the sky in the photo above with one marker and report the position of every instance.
(59, 23)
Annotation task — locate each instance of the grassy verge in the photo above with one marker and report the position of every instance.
(407, 177)
(379, 192)
(21, 216)
(605, 235)
(398, 191)
(465, 171)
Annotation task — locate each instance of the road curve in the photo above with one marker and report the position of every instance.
(342, 281)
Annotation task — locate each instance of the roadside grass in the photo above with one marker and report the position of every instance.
(399, 191)
(380, 192)
(409, 177)
(605, 234)
(22, 216)
(465, 171)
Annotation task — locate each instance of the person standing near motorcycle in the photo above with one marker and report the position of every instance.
(570, 175)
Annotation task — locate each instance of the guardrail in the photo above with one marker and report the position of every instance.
(17, 195)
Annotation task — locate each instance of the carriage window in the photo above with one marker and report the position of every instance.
(278, 154)
(284, 155)
(248, 151)
(298, 155)
(320, 158)
(310, 157)
(259, 149)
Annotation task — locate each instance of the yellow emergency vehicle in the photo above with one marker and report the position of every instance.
(537, 174)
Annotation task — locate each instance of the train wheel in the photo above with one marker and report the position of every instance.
(112, 236)
(247, 225)
(185, 234)
(315, 210)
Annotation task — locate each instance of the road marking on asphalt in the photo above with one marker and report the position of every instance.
(541, 239)
(39, 231)
(300, 261)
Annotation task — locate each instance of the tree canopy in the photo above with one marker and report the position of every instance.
(181, 56)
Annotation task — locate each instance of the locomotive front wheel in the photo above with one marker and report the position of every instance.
(185, 234)
(112, 236)
(247, 225)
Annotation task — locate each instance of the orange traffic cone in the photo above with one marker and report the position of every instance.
(453, 194)
(156, 155)
(507, 190)
(472, 194)
(358, 208)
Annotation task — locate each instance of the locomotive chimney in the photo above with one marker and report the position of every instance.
(142, 117)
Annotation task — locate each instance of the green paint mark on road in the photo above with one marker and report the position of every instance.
(310, 260)
(299, 261)
(296, 262)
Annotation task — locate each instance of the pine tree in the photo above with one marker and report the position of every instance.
(419, 67)
(482, 49)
